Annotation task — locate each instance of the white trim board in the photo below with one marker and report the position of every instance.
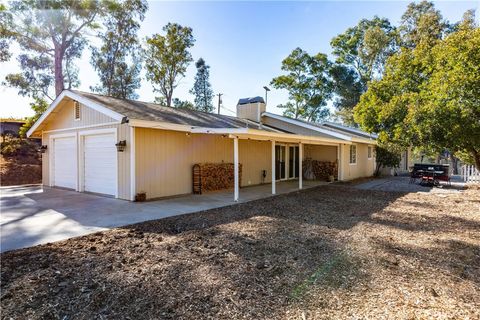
(76, 97)
(133, 180)
(83, 127)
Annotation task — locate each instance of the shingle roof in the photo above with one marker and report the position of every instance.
(354, 132)
(139, 110)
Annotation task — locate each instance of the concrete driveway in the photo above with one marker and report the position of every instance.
(402, 184)
(34, 214)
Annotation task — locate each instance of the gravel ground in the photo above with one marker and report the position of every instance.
(332, 252)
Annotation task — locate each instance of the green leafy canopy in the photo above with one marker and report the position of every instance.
(308, 84)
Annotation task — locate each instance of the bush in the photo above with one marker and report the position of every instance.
(18, 147)
(387, 155)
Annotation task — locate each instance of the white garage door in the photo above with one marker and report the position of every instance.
(65, 162)
(100, 164)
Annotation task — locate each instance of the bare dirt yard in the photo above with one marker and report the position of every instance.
(332, 252)
(20, 170)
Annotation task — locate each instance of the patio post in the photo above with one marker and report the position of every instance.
(273, 167)
(235, 169)
(300, 166)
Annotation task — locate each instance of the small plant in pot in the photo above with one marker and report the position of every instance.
(141, 196)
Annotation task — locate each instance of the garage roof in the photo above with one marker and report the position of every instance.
(139, 110)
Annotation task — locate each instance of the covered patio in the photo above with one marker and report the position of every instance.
(285, 168)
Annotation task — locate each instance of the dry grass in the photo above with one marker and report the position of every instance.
(329, 252)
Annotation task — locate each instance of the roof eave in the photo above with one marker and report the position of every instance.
(76, 97)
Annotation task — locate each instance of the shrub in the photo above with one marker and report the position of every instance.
(387, 155)
(18, 147)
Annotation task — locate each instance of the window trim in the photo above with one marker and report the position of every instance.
(76, 105)
(350, 155)
(370, 154)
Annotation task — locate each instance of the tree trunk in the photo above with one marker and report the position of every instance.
(476, 158)
(454, 164)
(58, 68)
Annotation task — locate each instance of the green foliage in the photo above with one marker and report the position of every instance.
(308, 84)
(117, 61)
(15, 147)
(38, 106)
(361, 52)
(429, 95)
(167, 58)
(348, 89)
(202, 89)
(421, 23)
(51, 35)
(387, 155)
(5, 33)
(366, 46)
(177, 103)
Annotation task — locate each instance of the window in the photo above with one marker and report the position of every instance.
(369, 152)
(76, 111)
(353, 154)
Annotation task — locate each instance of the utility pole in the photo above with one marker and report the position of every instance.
(219, 101)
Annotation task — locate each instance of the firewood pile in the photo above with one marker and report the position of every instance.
(319, 170)
(216, 176)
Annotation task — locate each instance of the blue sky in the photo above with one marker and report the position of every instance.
(243, 42)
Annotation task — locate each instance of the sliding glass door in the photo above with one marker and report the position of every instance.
(280, 157)
(293, 162)
(286, 162)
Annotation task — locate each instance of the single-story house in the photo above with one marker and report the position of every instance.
(10, 127)
(95, 143)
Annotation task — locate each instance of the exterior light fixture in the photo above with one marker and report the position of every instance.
(121, 145)
(43, 148)
(266, 93)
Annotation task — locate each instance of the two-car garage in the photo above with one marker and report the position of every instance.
(85, 161)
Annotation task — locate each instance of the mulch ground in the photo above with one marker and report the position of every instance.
(20, 170)
(333, 252)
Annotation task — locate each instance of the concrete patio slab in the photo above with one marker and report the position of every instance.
(32, 215)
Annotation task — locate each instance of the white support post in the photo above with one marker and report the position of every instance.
(300, 166)
(273, 167)
(235, 168)
(340, 162)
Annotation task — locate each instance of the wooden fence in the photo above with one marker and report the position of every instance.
(470, 174)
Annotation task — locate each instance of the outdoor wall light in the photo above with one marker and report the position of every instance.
(121, 145)
(43, 148)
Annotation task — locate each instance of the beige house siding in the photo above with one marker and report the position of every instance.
(363, 168)
(321, 153)
(63, 125)
(164, 159)
(64, 117)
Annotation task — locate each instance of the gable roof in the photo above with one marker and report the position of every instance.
(138, 110)
(153, 115)
(119, 109)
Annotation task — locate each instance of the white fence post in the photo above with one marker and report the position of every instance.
(470, 174)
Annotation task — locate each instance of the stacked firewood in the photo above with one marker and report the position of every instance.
(319, 170)
(217, 176)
